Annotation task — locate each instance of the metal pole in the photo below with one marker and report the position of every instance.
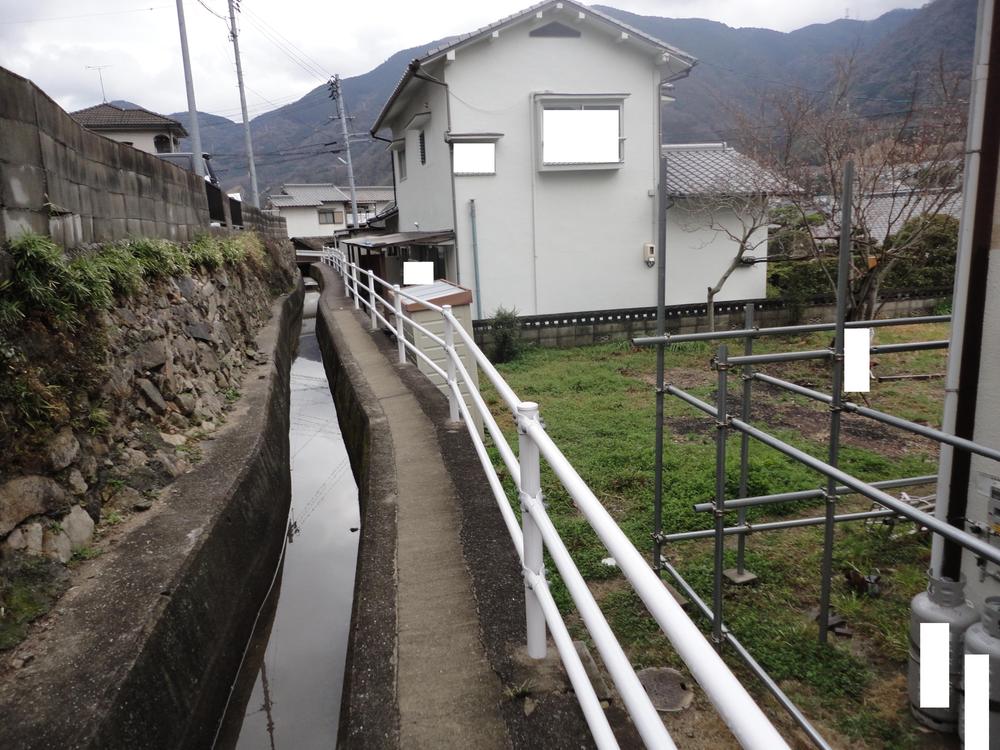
(357, 298)
(475, 256)
(449, 345)
(371, 298)
(199, 166)
(744, 438)
(756, 668)
(661, 322)
(843, 291)
(784, 497)
(234, 34)
(531, 489)
(722, 366)
(400, 333)
(342, 112)
(795, 523)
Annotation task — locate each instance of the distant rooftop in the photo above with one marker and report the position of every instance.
(695, 169)
(111, 117)
(318, 193)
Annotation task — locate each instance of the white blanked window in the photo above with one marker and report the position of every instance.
(474, 158)
(581, 133)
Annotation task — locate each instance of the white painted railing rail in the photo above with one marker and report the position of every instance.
(537, 533)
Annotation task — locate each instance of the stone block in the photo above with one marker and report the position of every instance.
(79, 527)
(17, 98)
(18, 221)
(132, 210)
(119, 229)
(159, 210)
(20, 142)
(133, 227)
(22, 186)
(87, 229)
(148, 228)
(28, 496)
(63, 194)
(102, 229)
(147, 208)
(86, 200)
(117, 206)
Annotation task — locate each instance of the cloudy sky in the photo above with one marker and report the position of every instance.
(288, 46)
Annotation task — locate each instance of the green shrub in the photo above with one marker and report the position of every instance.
(507, 344)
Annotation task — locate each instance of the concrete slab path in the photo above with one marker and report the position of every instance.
(448, 694)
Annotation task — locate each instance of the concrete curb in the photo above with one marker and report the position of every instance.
(369, 710)
(143, 655)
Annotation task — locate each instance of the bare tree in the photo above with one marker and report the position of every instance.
(907, 162)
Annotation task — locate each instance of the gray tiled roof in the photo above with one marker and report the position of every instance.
(884, 214)
(109, 117)
(318, 193)
(456, 41)
(715, 168)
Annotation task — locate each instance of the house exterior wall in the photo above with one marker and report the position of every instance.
(303, 221)
(698, 255)
(555, 241)
(424, 197)
(140, 139)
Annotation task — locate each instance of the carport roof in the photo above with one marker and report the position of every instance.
(372, 241)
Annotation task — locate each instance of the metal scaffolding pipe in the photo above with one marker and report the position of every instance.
(917, 346)
(793, 523)
(880, 416)
(749, 331)
(783, 497)
(752, 663)
(747, 396)
(964, 539)
(764, 359)
(721, 396)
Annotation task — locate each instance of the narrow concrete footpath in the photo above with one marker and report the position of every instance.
(448, 696)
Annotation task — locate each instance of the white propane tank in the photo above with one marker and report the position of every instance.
(984, 638)
(944, 601)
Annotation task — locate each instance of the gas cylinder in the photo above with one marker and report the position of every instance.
(944, 601)
(984, 638)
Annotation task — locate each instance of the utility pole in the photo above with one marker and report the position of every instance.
(233, 34)
(338, 94)
(99, 68)
(199, 165)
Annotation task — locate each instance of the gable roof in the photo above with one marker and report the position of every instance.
(716, 169)
(630, 33)
(317, 193)
(109, 117)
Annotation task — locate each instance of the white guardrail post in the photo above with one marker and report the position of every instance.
(400, 333)
(449, 345)
(354, 276)
(371, 298)
(531, 488)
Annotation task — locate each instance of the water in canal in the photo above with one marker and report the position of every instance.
(288, 693)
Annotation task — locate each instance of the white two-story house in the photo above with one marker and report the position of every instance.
(526, 166)
(322, 209)
(134, 126)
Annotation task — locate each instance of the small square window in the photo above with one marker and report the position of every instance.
(474, 158)
(326, 217)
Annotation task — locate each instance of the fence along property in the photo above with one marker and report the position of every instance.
(537, 534)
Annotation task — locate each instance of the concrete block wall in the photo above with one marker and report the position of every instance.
(264, 224)
(62, 180)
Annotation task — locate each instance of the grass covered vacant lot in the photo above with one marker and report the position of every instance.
(598, 405)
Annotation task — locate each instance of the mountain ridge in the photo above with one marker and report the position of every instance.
(736, 66)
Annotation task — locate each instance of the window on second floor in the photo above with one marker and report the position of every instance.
(581, 132)
(474, 158)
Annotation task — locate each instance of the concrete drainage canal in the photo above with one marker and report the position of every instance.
(289, 689)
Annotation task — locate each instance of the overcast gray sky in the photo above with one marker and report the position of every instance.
(288, 46)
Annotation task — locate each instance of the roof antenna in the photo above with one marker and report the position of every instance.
(100, 75)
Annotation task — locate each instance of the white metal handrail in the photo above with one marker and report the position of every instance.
(537, 533)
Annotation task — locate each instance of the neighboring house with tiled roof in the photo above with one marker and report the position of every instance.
(138, 127)
(707, 185)
(322, 209)
(543, 130)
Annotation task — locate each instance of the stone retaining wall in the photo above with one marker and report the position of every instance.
(142, 652)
